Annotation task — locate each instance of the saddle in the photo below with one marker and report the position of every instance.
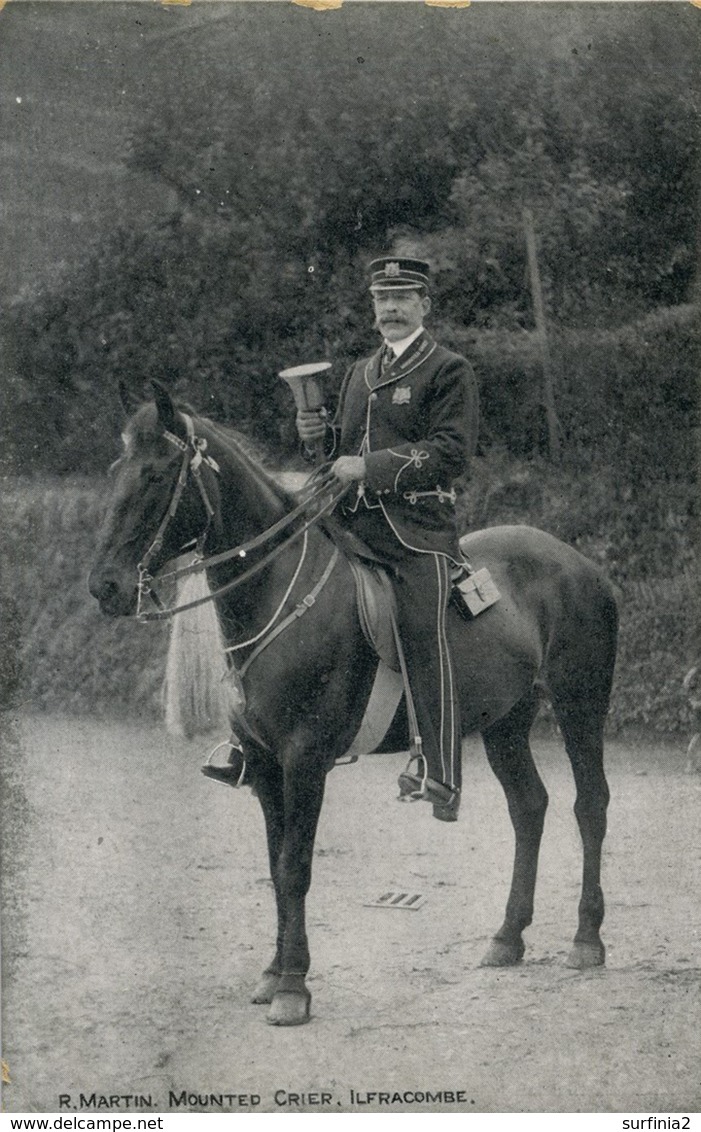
(376, 604)
(374, 592)
(473, 592)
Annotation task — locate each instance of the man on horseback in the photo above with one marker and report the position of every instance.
(405, 429)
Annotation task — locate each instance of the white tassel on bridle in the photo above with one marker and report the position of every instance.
(199, 694)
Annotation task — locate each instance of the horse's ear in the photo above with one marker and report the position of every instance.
(167, 414)
(130, 402)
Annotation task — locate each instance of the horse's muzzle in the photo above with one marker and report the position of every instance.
(115, 599)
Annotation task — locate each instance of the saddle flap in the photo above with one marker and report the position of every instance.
(375, 599)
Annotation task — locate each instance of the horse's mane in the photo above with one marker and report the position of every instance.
(142, 428)
(238, 443)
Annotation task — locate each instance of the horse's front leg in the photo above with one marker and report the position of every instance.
(269, 786)
(303, 793)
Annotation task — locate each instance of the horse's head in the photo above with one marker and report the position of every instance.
(161, 501)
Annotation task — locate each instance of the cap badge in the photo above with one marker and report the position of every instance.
(391, 269)
(401, 395)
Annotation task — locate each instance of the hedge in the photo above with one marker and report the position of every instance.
(72, 659)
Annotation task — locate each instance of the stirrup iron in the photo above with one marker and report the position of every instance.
(408, 791)
(225, 773)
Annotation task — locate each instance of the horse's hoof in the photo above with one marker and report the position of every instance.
(289, 1008)
(267, 988)
(586, 955)
(502, 954)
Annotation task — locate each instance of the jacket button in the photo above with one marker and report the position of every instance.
(373, 396)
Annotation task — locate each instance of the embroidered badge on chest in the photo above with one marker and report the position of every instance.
(401, 395)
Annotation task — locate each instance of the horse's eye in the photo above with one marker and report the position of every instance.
(157, 476)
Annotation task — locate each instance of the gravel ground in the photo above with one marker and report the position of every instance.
(137, 915)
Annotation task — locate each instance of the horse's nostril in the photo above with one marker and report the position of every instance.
(116, 597)
(102, 587)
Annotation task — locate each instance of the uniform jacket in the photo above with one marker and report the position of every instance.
(416, 426)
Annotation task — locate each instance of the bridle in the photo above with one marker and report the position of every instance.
(326, 493)
(193, 450)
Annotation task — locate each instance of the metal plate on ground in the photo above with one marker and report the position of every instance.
(397, 899)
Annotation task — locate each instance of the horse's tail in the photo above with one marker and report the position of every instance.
(196, 691)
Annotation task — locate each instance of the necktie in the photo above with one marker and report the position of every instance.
(387, 359)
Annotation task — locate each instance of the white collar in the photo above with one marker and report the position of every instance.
(403, 344)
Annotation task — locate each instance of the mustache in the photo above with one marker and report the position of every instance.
(385, 319)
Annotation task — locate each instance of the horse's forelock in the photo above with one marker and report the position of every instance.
(143, 430)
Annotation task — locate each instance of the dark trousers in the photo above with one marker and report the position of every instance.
(422, 587)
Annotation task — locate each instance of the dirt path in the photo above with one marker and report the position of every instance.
(138, 914)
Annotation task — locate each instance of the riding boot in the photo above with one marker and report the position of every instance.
(422, 595)
(414, 788)
(235, 771)
(422, 588)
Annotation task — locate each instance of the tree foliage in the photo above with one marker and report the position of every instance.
(292, 149)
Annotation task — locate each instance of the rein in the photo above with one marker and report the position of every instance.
(193, 456)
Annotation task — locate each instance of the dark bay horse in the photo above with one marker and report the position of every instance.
(554, 630)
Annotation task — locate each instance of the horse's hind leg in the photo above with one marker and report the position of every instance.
(509, 753)
(582, 726)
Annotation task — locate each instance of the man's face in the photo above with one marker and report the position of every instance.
(399, 313)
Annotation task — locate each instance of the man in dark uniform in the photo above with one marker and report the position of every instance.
(405, 429)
